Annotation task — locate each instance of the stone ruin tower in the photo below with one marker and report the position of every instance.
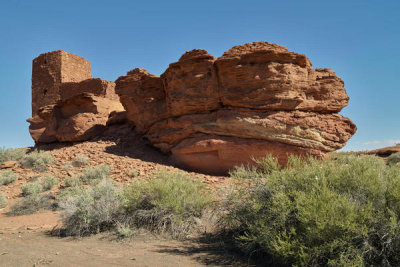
(50, 70)
(69, 105)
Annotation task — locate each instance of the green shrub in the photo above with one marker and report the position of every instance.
(72, 182)
(394, 158)
(91, 210)
(80, 160)
(341, 212)
(33, 203)
(37, 160)
(3, 201)
(168, 202)
(7, 177)
(31, 188)
(48, 182)
(7, 154)
(93, 175)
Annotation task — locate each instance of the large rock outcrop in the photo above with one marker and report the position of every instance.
(257, 99)
(67, 104)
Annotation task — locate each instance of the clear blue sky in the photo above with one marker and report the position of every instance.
(359, 40)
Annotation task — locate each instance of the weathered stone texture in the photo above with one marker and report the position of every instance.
(257, 99)
(50, 70)
(68, 105)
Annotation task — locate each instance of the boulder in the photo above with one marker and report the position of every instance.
(257, 99)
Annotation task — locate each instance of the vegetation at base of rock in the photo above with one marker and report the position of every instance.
(33, 203)
(3, 201)
(31, 188)
(169, 202)
(8, 154)
(394, 159)
(72, 182)
(7, 177)
(340, 212)
(80, 160)
(37, 160)
(93, 175)
(48, 182)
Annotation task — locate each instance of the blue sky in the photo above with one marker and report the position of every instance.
(359, 40)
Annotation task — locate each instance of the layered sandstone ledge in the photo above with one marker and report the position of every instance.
(209, 113)
(257, 99)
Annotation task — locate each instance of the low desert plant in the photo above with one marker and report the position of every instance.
(341, 212)
(31, 188)
(93, 175)
(37, 160)
(3, 201)
(80, 160)
(72, 182)
(68, 166)
(169, 202)
(7, 177)
(7, 154)
(48, 182)
(33, 203)
(394, 158)
(91, 210)
(124, 231)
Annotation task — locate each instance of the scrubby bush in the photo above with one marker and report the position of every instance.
(48, 182)
(80, 160)
(3, 201)
(341, 212)
(31, 188)
(37, 160)
(91, 210)
(394, 158)
(7, 177)
(33, 203)
(170, 202)
(7, 154)
(72, 182)
(93, 175)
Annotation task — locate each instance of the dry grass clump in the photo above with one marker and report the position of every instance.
(3, 201)
(80, 160)
(7, 154)
(93, 175)
(37, 160)
(7, 177)
(394, 159)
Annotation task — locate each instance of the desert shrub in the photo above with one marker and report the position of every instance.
(91, 210)
(33, 203)
(31, 188)
(7, 154)
(394, 158)
(80, 160)
(37, 160)
(169, 202)
(3, 201)
(68, 166)
(93, 175)
(72, 182)
(341, 212)
(7, 177)
(48, 182)
(124, 231)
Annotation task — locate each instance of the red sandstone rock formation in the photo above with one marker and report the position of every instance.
(257, 99)
(67, 104)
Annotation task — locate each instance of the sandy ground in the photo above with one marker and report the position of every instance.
(26, 240)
